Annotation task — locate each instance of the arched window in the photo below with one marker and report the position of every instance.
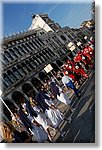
(35, 43)
(41, 41)
(10, 105)
(12, 76)
(25, 67)
(59, 63)
(38, 59)
(29, 64)
(7, 79)
(63, 37)
(13, 53)
(55, 67)
(32, 45)
(29, 46)
(18, 52)
(25, 47)
(63, 52)
(37, 84)
(43, 76)
(21, 70)
(44, 57)
(1, 60)
(51, 52)
(18, 98)
(41, 57)
(28, 89)
(4, 85)
(32, 62)
(6, 60)
(35, 60)
(17, 73)
(7, 54)
(21, 50)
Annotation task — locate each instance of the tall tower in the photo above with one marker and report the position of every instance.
(43, 21)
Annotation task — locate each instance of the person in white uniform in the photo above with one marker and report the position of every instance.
(41, 118)
(67, 81)
(60, 95)
(37, 131)
(52, 113)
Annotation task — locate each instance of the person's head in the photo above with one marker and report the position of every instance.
(70, 66)
(24, 106)
(66, 73)
(7, 131)
(68, 61)
(30, 98)
(16, 115)
(32, 101)
(46, 80)
(42, 88)
(63, 67)
(85, 46)
(79, 52)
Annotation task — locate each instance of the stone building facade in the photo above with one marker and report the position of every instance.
(25, 55)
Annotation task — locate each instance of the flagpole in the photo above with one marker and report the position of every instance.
(7, 107)
(54, 77)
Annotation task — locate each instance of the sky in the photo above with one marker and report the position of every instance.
(17, 16)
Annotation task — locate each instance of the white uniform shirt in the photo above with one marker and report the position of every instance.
(66, 79)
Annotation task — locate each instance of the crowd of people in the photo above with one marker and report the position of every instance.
(34, 118)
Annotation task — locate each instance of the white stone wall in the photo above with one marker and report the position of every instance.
(39, 22)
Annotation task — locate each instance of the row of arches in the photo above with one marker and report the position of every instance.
(26, 67)
(27, 89)
(18, 72)
(24, 39)
(20, 96)
(15, 53)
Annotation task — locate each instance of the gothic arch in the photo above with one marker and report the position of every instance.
(32, 62)
(36, 83)
(63, 38)
(18, 52)
(29, 46)
(27, 88)
(55, 67)
(18, 97)
(13, 53)
(65, 59)
(21, 70)
(59, 63)
(25, 47)
(21, 50)
(42, 76)
(25, 67)
(29, 64)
